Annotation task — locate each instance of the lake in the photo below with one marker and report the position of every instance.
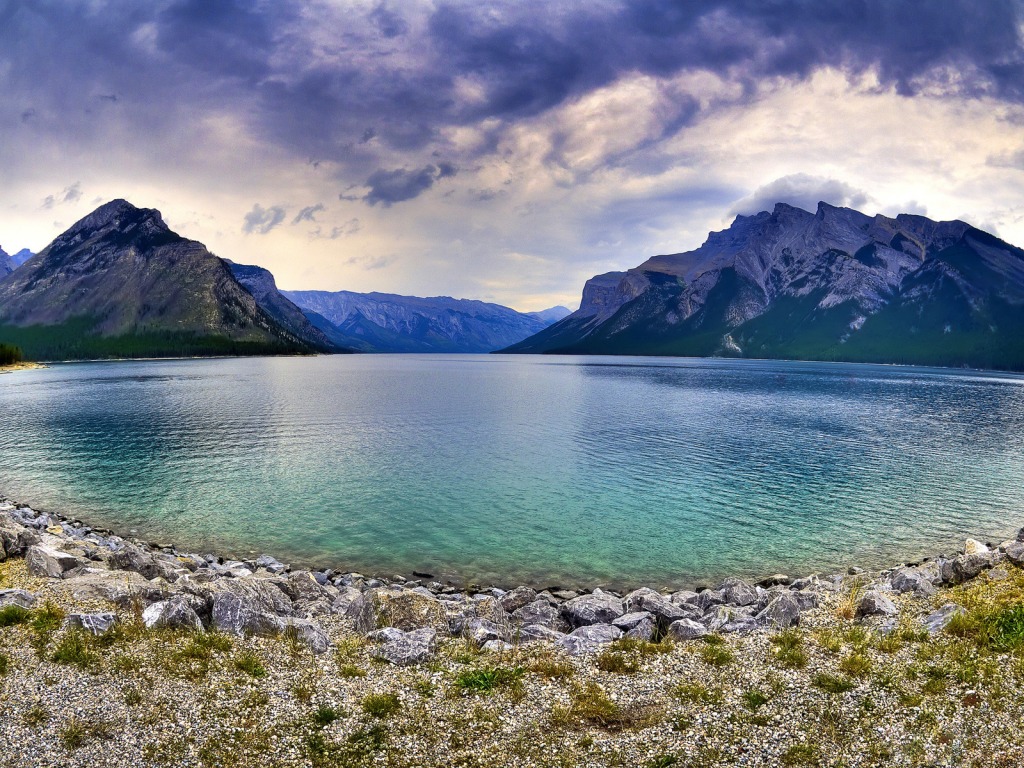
(575, 471)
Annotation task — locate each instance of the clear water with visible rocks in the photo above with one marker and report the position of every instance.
(522, 469)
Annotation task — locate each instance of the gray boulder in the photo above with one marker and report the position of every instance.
(236, 616)
(646, 630)
(481, 631)
(967, 567)
(45, 561)
(807, 599)
(783, 611)
(14, 538)
(19, 597)
(912, 580)
(461, 613)
(405, 648)
(533, 633)
(1015, 553)
(309, 633)
(346, 596)
(175, 613)
(541, 612)
(627, 621)
(709, 598)
(937, 621)
(686, 629)
(661, 607)
(96, 623)
(874, 603)
(684, 597)
(738, 592)
(589, 638)
(721, 615)
(517, 598)
(403, 609)
(119, 587)
(497, 646)
(597, 608)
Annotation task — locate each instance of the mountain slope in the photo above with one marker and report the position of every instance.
(830, 285)
(6, 264)
(383, 322)
(121, 283)
(261, 284)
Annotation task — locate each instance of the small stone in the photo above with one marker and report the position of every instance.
(936, 622)
(974, 547)
(496, 646)
(19, 597)
(96, 623)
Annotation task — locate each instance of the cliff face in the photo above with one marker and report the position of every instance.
(834, 284)
(263, 287)
(6, 264)
(121, 282)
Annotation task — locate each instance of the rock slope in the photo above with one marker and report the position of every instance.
(832, 285)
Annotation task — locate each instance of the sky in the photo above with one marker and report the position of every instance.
(503, 151)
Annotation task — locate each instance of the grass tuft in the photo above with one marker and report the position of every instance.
(617, 662)
(249, 662)
(12, 615)
(787, 647)
(832, 683)
(487, 679)
(381, 705)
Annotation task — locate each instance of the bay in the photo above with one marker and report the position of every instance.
(524, 469)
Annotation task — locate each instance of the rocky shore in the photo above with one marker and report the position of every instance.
(114, 651)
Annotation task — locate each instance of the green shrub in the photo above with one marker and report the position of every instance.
(12, 615)
(487, 679)
(381, 704)
(612, 661)
(325, 715)
(74, 648)
(250, 663)
(832, 683)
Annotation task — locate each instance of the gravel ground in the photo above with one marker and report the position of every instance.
(832, 692)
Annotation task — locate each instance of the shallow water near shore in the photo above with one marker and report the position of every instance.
(522, 469)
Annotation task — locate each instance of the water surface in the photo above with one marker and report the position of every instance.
(542, 470)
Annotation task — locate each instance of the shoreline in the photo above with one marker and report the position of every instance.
(336, 565)
(22, 366)
(117, 653)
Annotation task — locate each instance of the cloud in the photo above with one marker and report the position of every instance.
(802, 191)
(388, 187)
(308, 213)
(389, 23)
(370, 262)
(261, 220)
(70, 194)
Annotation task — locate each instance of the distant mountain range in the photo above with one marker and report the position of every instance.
(831, 285)
(120, 283)
(384, 322)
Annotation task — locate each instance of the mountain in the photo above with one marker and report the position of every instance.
(21, 257)
(831, 285)
(7, 264)
(384, 322)
(261, 284)
(120, 283)
(552, 315)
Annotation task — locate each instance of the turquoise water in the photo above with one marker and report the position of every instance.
(541, 470)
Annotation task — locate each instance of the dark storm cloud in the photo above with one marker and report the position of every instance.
(322, 80)
(261, 220)
(387, 187)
